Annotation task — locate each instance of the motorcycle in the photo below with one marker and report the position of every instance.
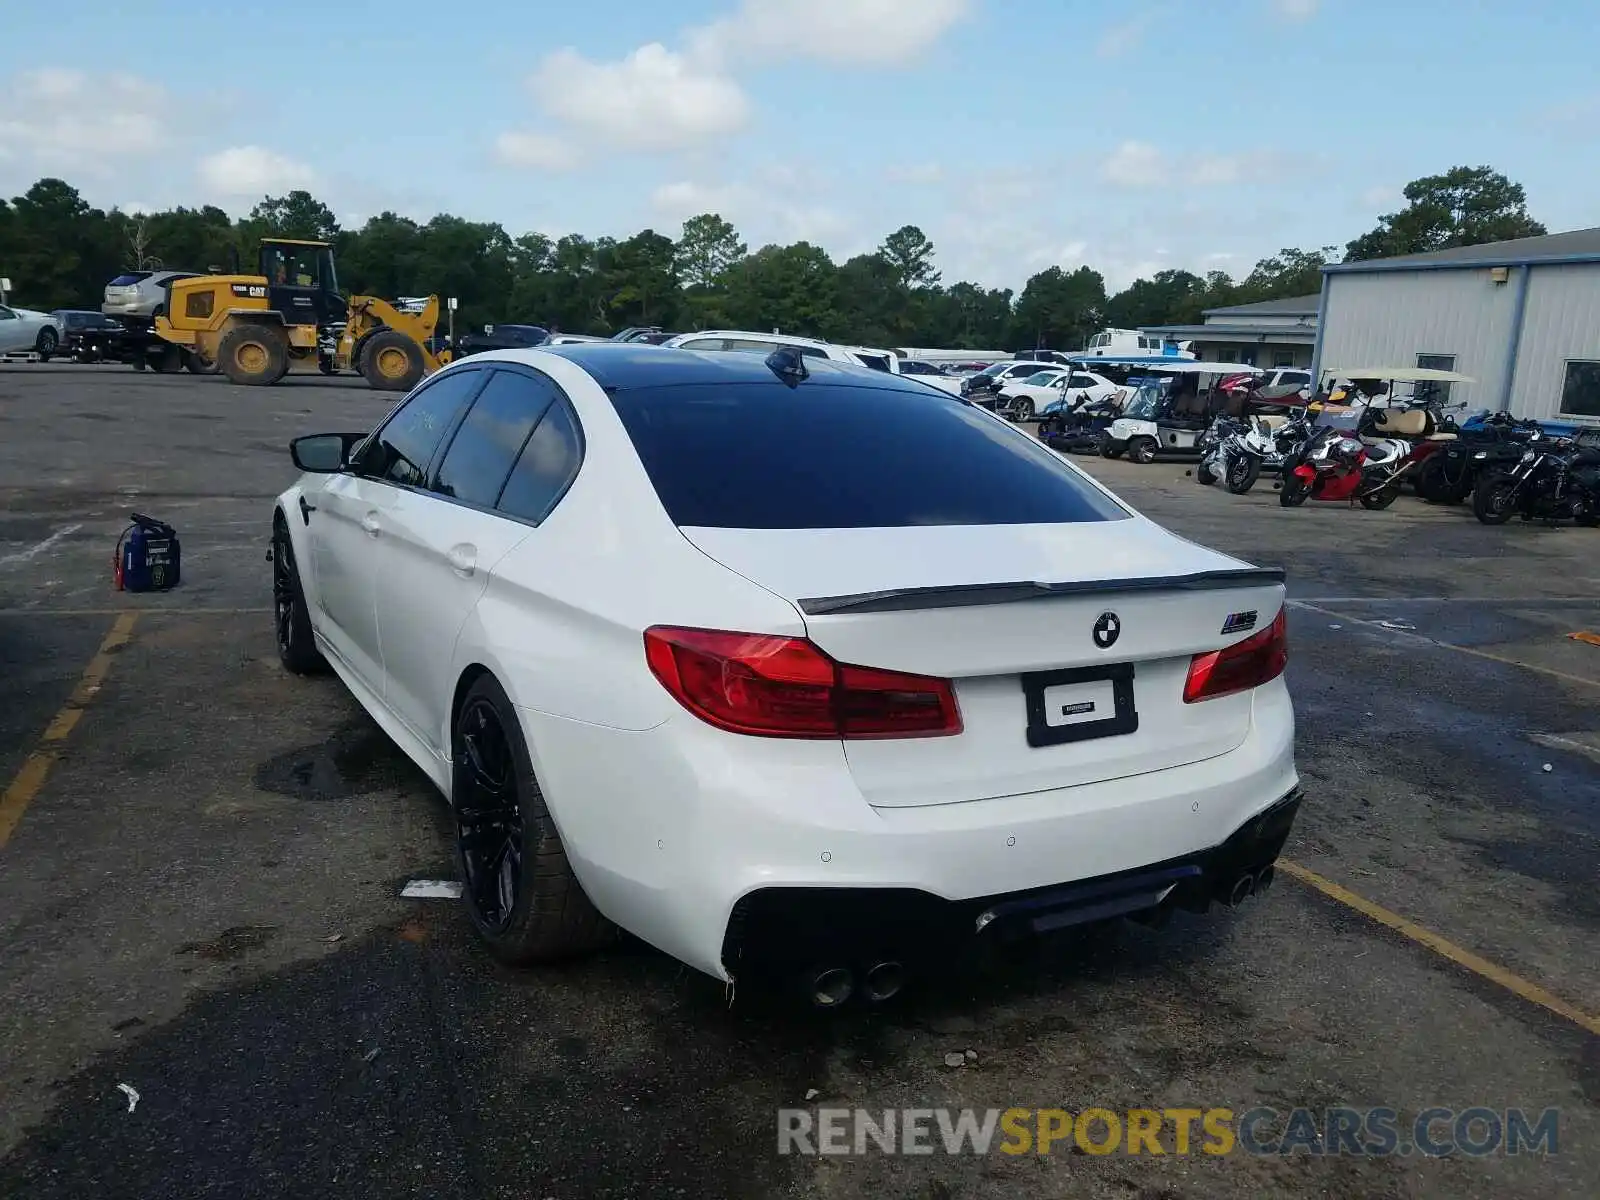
(1331, 465)
(1219, 448)
(1449, 475)
(1555, 478)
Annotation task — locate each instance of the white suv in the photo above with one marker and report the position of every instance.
(762, 343)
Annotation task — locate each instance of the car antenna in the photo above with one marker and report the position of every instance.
(789, 365)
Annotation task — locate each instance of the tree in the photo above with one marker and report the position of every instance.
(1060, 309)
(790, 288)
(1167, 298)
(297, 215)
(909, 254)
(643, 279)
(1466, 206)
(706, 249)
(1286, 274)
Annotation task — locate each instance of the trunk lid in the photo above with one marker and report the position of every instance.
(995, 608)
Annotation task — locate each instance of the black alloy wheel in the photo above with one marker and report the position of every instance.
(488, 815)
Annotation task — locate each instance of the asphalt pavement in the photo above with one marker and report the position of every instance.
(201, 860)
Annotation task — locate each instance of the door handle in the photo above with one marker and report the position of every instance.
(463, 560)
(306, 510)
(370, 524)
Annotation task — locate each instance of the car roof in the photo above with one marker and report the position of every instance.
(619, 366)
(788, 339)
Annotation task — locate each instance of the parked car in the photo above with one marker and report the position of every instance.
(1074, 389)
(931, 373)
(826, 732)
(88, 336)
(23, 331)
(501, 337)
(762, 343)
(984, 387)
(141, 294)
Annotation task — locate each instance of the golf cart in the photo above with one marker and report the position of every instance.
(1173, 405)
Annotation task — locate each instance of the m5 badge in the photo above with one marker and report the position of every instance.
(1239, 622)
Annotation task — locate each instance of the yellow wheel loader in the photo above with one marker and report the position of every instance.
(255, 329)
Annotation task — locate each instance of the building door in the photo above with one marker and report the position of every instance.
(1434, 392)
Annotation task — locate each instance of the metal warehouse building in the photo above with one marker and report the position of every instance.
(1521, 317)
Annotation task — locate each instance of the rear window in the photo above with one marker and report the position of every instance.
(129, 279)
(825, 456)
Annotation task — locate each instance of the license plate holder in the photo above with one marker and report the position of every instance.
(1064, 688)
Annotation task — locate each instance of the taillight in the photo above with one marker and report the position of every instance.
(1258, 659)
(772, 686)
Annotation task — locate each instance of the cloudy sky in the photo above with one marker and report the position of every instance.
(1017, 133)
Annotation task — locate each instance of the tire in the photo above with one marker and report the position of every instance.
(1142, 450)
(392, 362)
(518, 888)
(253, 355)
(45, 344)
(168, 359)
(1242, 473)
(1204, 475)
(196, 365)
(1431, 483)
(1381, 499)
(1491, 499)
(1107, 450)
(297, 648)
(1022, 409)
(139, 363)
(1294, 493)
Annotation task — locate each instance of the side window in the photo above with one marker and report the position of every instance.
(401, 450)
(813, 352)
(546, 468)
(7, 315)
(491, 436)
(704, 344)
(1081, 381)
(747, 344)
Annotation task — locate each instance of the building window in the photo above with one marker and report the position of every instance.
(1580, 393)
(1433, 393)
(1246, 357)
(1283, 358)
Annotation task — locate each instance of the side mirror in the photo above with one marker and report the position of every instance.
(324, 453)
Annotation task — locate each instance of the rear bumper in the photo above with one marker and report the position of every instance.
(677, 832)
(779, 926)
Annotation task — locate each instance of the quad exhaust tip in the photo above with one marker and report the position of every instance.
(831, 987)
(1243, 888)
(884, 981)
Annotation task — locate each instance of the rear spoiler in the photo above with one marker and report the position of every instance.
(962, 595)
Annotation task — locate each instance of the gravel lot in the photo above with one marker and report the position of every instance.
(200, 900)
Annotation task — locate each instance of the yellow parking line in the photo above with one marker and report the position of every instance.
(30, 779)
(1585, 636)
(1476, 653)
(1462, 957)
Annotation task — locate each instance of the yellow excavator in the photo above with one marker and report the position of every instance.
(255, 329)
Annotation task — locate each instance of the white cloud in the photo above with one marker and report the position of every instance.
(1379, 196)
(253, 171)
(856, 32)
(916, 173)
(1119, 39)
(542, 151)
(68, 118)
(1213, 169)
(1136, 165)
(651, 100)
(1296, 10)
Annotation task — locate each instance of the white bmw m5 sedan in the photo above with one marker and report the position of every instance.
(763, 658)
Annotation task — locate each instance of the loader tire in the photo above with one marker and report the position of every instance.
(253, 355)
(392, 362)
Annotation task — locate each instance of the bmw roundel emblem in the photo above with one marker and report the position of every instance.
(1107, 628)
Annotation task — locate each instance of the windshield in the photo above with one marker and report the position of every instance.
(1043, 378)
(998, 367)
(1143, 405)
